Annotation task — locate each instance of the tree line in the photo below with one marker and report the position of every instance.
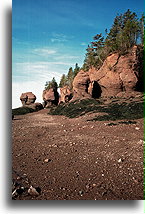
(66, 80)
(127, 30)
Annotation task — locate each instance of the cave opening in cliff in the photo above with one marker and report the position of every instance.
(96, 91)
(140, 85)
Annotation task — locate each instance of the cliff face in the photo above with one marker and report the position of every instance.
(80, 85)
(119, 75)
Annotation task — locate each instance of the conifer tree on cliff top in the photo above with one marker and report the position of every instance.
(76, 69)
(126, 31)
(63, 81)
(70, 77)
(51, 84)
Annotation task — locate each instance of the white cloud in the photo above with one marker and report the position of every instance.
(66, 57)
(38, 70)
(44, 51)
(59, 37)
(83, 44)
(58, 40)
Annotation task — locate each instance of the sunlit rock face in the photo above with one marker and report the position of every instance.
(118, 75)
(27, 98)
(65, 94)
(50, 97)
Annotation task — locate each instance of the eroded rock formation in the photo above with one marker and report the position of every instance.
(65, 94)
(80, 85)
(50, 97)
(27, 98)
(118, 75)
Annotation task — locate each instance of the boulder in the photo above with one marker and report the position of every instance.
(27, 98)
(65, 94)
(50, 97)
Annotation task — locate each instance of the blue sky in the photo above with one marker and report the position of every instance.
(49, 36)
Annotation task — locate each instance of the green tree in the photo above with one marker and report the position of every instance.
(111, 42)
(63, 81)
(76, 69)
(51, 84)
(89, 58)
(124, 32)
(95, 53)
(131, 28)
(99, 49)
(70, 77)
(141, 24)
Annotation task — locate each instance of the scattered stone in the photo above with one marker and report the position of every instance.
(63, 188)
(87, 186)
(20, 190)
(84, 127)
(135, 180)
(34, 191)
(81, 192)
(137, 128)
(14, 193)
(120, 160)
(140, 142)
(47, 160)
(18, 178)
